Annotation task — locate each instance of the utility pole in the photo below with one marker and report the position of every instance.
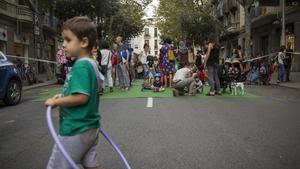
(282, 4)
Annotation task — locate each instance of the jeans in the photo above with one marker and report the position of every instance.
(213, 78)
(281, 72)
(123, 75)
(145, 71)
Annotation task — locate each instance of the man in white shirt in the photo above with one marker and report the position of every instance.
(182, 79)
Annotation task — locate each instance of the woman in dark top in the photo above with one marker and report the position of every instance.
(212, 62)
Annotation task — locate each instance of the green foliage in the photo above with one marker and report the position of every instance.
(113, 17)
(193, 19)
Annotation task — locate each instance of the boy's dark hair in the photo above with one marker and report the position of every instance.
(104, 44)
(82, 26)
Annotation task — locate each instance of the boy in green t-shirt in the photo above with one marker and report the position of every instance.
(79, 101)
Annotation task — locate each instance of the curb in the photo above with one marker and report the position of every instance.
(39, 85)
(290, 87)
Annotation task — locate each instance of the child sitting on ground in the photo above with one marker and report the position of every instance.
(157, 86)
(196, 86)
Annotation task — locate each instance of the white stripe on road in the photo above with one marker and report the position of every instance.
(150, 102)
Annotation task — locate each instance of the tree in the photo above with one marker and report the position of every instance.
(112, 17)
(247, 4)
(191, 19)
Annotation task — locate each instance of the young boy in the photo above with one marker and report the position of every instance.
(79, 101)
(156, 85)
(196, 86)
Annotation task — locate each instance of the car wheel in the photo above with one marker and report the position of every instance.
(13, 93)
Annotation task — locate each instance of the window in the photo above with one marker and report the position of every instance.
(147, 32)
(155, 44)
(147, 41)
(155, 32)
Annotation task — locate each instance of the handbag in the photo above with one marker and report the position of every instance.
(171, 55)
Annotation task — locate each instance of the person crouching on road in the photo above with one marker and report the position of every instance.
(182, 80)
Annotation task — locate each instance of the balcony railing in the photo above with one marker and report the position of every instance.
(147, 36)
(15, 11)
(233, 27)
(24, 13)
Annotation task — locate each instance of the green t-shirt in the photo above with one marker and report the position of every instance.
(74, 120)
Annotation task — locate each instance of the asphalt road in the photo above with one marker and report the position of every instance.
(176, 133)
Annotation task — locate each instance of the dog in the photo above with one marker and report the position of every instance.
(237, 86)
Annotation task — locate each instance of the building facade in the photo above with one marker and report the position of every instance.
(150, 36)
(266, 31)
(21, 31)
(265, 28)
(231, 14)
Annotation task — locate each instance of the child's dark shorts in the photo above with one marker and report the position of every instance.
(80, 147)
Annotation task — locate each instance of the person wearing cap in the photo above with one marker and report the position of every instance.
(157, 86)
(196, 85)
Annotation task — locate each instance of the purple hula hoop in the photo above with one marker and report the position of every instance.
(64, 152)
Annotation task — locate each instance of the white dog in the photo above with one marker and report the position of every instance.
(237, 86)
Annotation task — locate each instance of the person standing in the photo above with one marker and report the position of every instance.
(182, 54)
(122, 64)
(281, 71)
(168, 65)
(107, 64)
(114, 63)
(212, 64)
(288, 61)
(191, 57)
(143, 59)
(79, 102)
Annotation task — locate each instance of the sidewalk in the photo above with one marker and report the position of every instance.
(44, 82)
(294, 83)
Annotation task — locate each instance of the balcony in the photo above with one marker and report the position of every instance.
(233, 27)
(147, 36)
(50, 23)
(15, 11)
(263, 15)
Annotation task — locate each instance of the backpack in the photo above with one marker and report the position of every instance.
(171, 55)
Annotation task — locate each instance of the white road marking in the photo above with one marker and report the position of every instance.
(150, 102)
(10, 121)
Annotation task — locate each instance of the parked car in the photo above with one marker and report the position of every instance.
(10, 82)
